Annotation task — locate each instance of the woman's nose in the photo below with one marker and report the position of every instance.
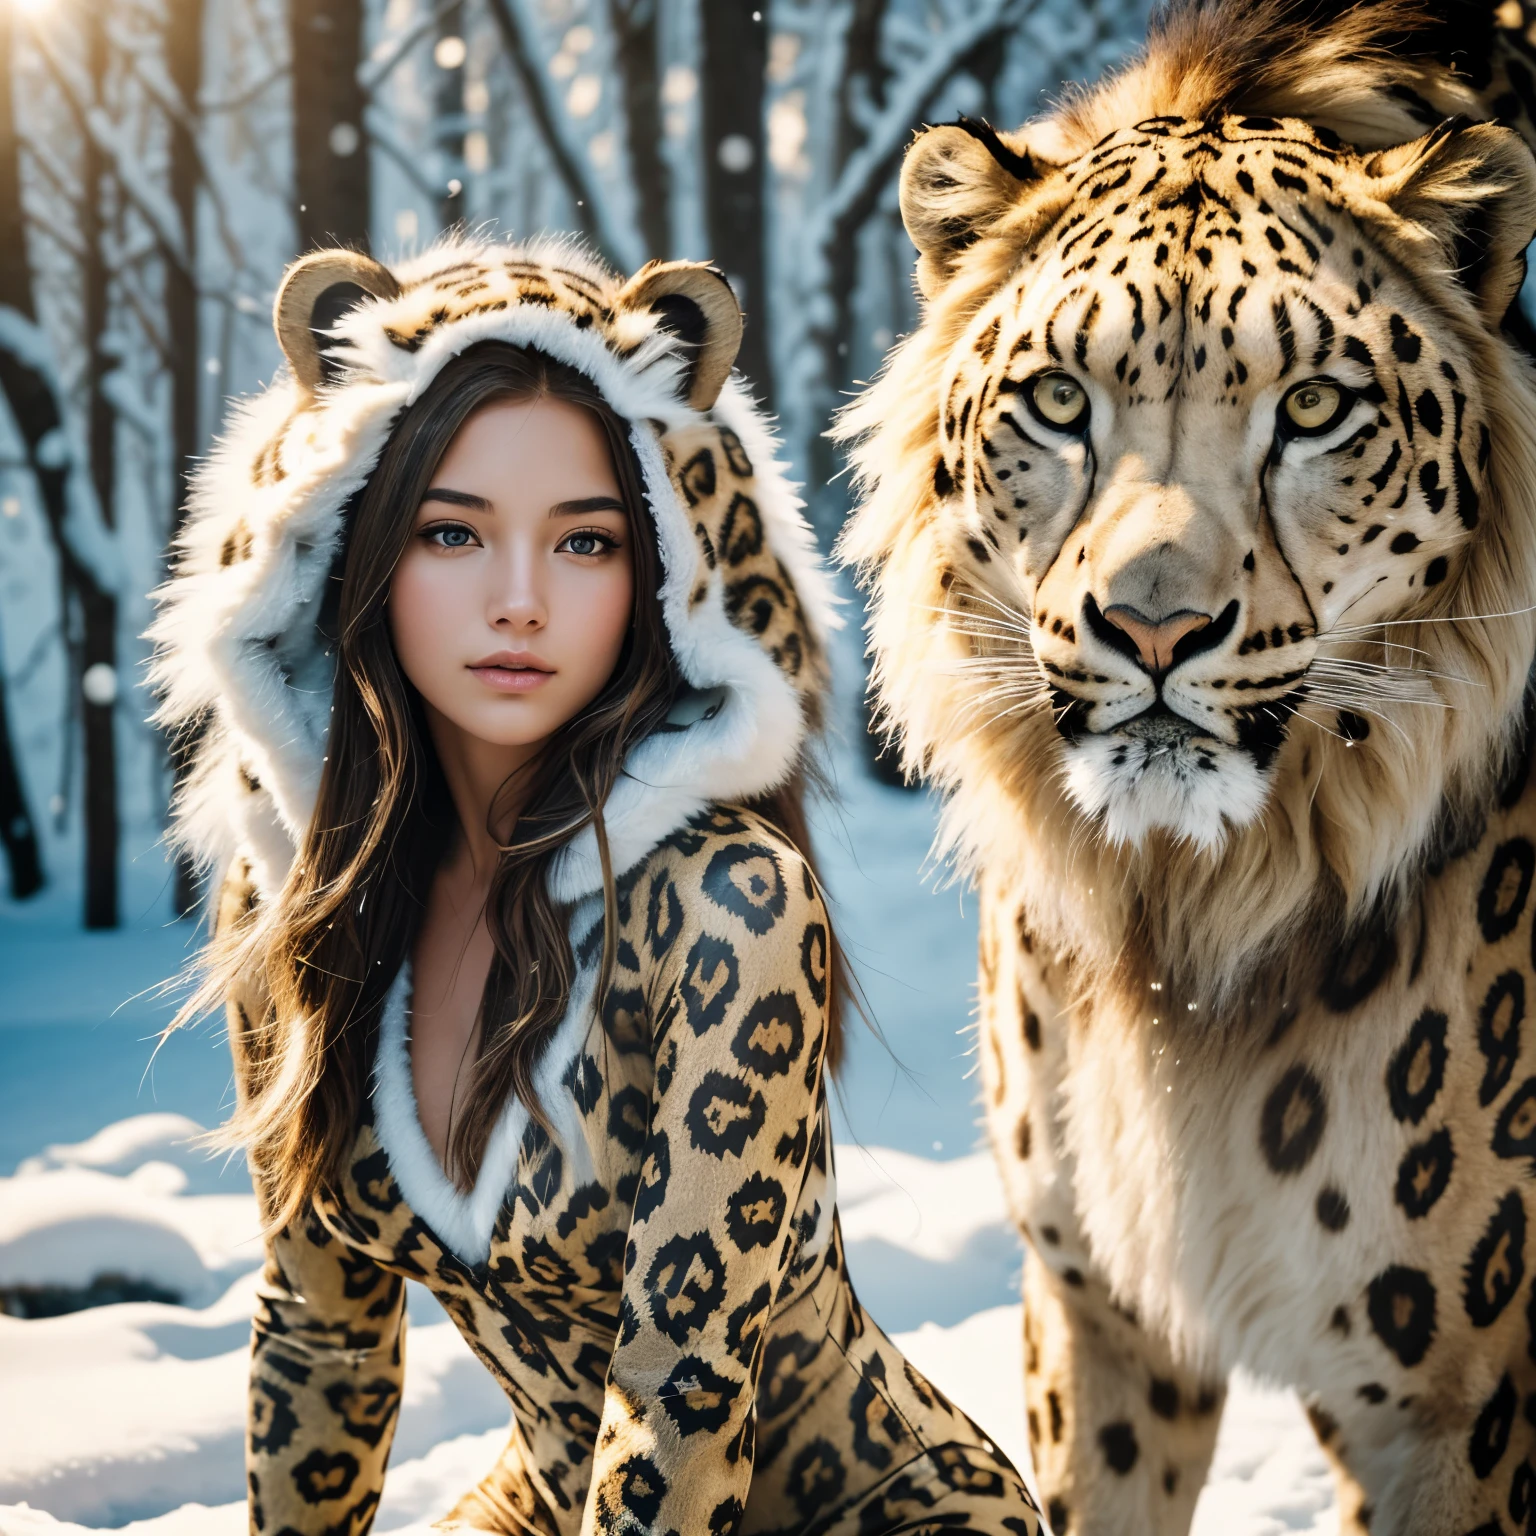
(517, 597)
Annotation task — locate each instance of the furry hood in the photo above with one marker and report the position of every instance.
(241, 663)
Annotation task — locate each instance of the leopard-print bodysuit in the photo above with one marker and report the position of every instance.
(662, 1291)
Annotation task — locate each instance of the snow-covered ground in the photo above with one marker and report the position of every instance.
(130, 1415)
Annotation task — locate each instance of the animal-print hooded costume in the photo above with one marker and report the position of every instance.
(659, 1286)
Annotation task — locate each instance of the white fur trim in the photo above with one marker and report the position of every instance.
(466, 1219)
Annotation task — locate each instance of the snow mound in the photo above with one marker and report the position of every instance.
(68, 1226)
(128, 1146)
(189, 1520)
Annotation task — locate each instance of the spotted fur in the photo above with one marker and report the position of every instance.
(1256, 920)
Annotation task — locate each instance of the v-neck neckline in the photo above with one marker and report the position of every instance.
(464, 1218)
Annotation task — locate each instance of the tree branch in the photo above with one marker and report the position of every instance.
(591, 214)
(95, 126)
(380, 139)
(31, 388)
(168, 99)
(218, 107)
(866, 171)
(372, 73)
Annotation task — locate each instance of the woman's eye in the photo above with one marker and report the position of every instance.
(588, 542)
(451, 536)
(1060, 400)
(1314, 407)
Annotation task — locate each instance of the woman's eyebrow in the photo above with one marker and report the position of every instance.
(586, 504)
(456, 498)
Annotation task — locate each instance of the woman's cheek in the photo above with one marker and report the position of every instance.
(603, 606)
(422, 602)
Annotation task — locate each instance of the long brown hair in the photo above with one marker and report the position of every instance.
(328, 949)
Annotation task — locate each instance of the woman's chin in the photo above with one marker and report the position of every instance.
(508, 721)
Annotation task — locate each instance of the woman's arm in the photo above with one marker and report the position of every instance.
(734, 972)
(327, 1361)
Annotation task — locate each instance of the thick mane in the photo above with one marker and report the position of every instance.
(1366, 71)
(1354, 828)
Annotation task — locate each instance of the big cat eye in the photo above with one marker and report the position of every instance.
(1060, 401)
(1314, 407)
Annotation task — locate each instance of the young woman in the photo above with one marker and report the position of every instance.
(502, 636)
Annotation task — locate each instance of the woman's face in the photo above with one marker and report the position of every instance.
(510, 605)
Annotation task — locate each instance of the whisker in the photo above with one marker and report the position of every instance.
(1389, 667)
(1328, 731)
(1356, 663)
(985, 624)
(977, 606)
(1021, 667)
(1377, 671)
(1456, 618)
(1017, 687)
(1374, 690)
(1013, 647)
(1318, 782)
(1333, 637)
(1378, 692)
(1013, 709)
(994, 603)
(1361, 707)
(1013, 702)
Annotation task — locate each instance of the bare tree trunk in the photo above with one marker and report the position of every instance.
(98, 608)
(332, 182)
(634, 30)
(183, 43)
(38, 413)
(15, 266)
(733, 67)
(18, 831)
(449, 106)
(864, 75)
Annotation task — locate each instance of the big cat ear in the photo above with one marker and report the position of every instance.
(316, 291)
(957, 181)
(1472, 186)
(694, 302)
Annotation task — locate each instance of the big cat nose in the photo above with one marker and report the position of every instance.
(1155, 640)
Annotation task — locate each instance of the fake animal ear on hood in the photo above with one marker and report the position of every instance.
(240, 646)
(305, 286)
(693, 301)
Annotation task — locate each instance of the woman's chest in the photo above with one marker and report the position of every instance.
(545, 1224)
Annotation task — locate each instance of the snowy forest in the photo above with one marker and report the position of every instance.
(161, 160)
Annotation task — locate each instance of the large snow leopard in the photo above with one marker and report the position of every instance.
(1200, 518)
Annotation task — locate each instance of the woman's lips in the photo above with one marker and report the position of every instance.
(511, 674)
